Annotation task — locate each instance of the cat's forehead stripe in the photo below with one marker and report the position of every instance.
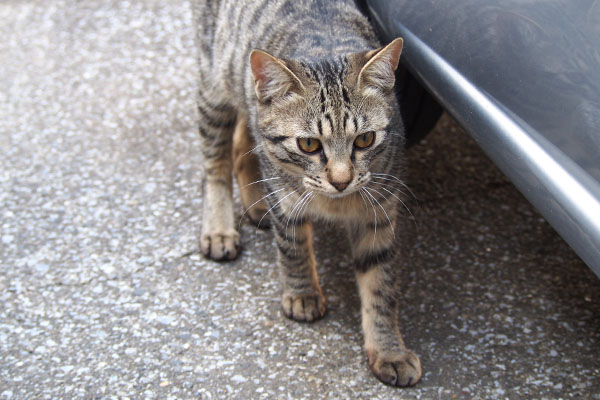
(330, 120)
(345, 94)
(333, 97)
(327, 125)
(350, 124)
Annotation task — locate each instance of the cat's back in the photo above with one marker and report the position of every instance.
(228, 30)
(291, 27)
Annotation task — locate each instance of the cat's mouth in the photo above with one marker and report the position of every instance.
(329, 190)
(339, 195)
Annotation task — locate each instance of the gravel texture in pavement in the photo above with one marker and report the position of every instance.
(103, 293)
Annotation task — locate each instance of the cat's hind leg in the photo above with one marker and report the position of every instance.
(246, 169)
(219, 239)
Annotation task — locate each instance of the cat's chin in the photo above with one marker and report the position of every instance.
(337, 195)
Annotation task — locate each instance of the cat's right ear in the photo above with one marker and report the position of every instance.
(272, 78)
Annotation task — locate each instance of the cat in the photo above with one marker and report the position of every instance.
(296, 98)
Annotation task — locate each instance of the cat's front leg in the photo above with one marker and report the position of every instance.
(219, 240)
(302, 298)
(376, 273)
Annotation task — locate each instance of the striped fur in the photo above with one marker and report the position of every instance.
(276, 74)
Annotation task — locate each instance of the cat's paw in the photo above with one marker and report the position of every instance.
(220, 246)
(304, 307)
(395, 369)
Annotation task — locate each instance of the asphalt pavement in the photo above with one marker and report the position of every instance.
(103, 293)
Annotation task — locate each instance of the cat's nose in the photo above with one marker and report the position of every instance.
(340, 186)
(339, 174)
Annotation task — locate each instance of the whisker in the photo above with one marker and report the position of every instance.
(374, 214)
(389, 175)
(262, 180)
(251, 150)
(297, 213)
(302, 209)
(291, 213)
(405, 206)
(385, 212)
(363, 199)
(256, 202)
(395, 178)
(274, 205)
(387, 185)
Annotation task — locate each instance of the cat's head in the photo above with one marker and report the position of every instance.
(329, 122)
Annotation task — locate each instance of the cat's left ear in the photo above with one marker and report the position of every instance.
(272, 78)
(378, 73)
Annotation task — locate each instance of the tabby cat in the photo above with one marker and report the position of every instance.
(296, 97)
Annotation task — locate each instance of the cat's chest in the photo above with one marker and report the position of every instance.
(339, 209)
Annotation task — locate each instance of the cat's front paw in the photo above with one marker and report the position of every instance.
(395, 369)
(304, 307)
(220, 246)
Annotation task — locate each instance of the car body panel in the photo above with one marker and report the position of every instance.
(523, 78)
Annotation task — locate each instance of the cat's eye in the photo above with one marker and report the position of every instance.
(309, 145)
(364, 140)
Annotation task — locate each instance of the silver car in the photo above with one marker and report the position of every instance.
(523, 78)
